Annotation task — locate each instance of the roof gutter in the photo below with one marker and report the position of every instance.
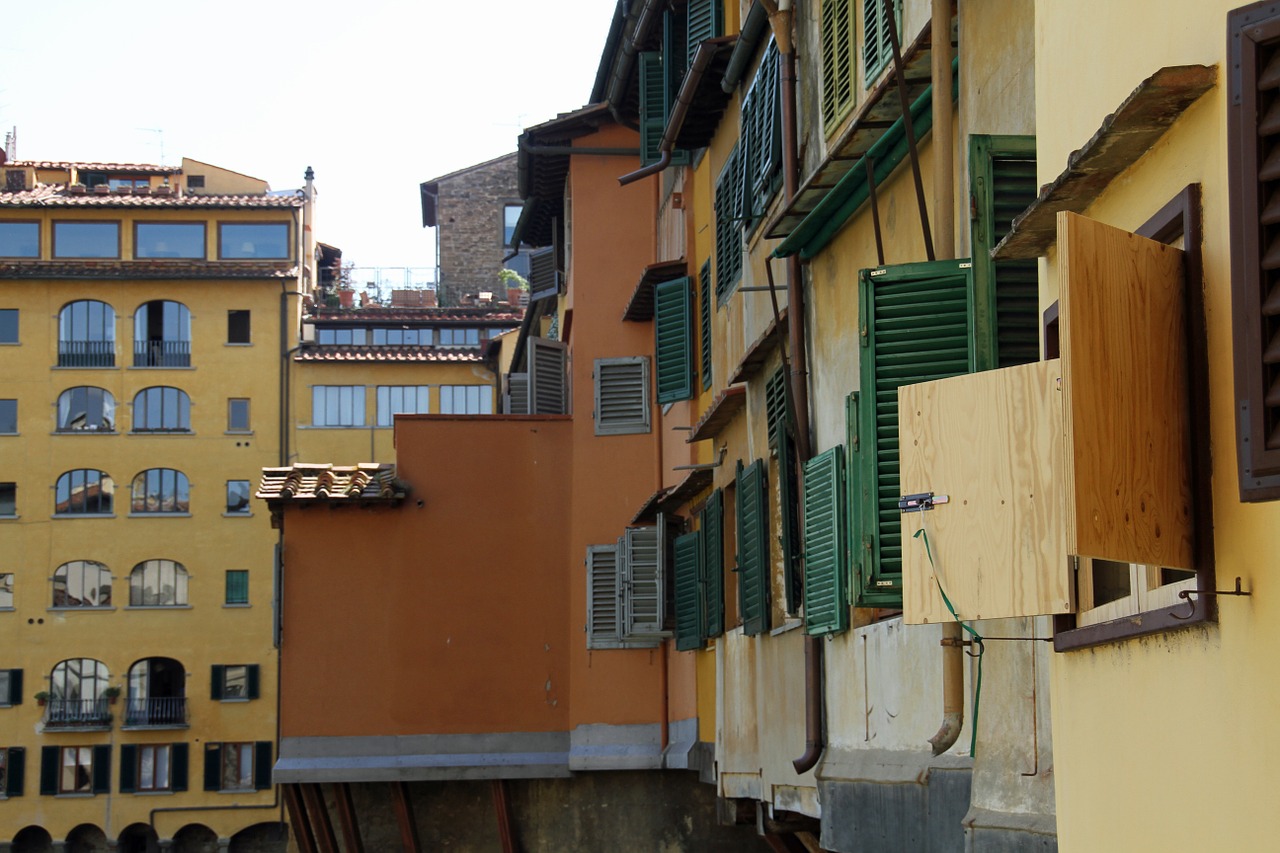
(751, 32)
(625, 63)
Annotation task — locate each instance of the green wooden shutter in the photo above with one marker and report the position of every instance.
(178, 761)
(15, 687)
(675, 52)
(49, 756)
(603, 605)
(775, 404)
(673, 349)
(713, 564)
(262, 765)
(916, 326)
(213, 767)
(704, 316)
(253, 679)
(877, 45)
(644, 591)
(217, 680)
(1003, 184)
(102, 768)
(837, 65)
(689, 607)
(128, 768)
(765, 131)
(826, 589)
(728, 225)
(753, 548)
(706, 21)
(788, 496)
(653, 101)
(15, 771)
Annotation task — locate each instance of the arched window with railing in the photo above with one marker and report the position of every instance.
(82, 583)
(77, 694)
(161, 409)
(86, 409)
(162, 335)
(157, 693)
(158, 583)
(160, 490)
(87, 334)
(84, 491)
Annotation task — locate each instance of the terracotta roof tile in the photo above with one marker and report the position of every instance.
(368, 481)
(375, 315)
(352, 352)
(57, 195)
(136, 168)
(149, 269)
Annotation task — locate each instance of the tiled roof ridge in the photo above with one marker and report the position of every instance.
(153, 168)
(387, 352)
(309, 481)
(61, 195)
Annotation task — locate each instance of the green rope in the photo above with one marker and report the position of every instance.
(977, 642)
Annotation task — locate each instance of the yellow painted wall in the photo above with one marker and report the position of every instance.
(1144, 727)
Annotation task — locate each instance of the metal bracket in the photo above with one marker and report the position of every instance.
(1186, 594)
(921, 502)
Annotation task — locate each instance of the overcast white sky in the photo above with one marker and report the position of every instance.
(375, 95)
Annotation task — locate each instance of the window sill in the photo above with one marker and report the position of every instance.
(245, 606)
(159, 515)
(83, 432)
(86, 367)
(73, 796)
(10, 517)
(74, 609)
(237, 515)
(235, 700)
(64, 516)
(238, 344)
(237, 791)
(153, 727)
(164, 367)
(154, 433)
(157, 607)
(151, 793)
(335, 426)
(7, 609)
(1159, 621)
(10, 433)
(787, 627)
(238, 432)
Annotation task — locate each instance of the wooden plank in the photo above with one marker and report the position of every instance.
(404, 817)
(993, 444)
(313, 797)
(351, 841)
(302, 834)
(1125, 386)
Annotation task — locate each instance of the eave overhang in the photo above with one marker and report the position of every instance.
(723, 409)
(640, 307)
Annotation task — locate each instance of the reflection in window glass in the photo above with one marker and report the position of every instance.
(84, 491)
(158, 583)
(6, 590)
(510, 216)
(86, 409)
(77, 770)
(78, 679)
(237, 767)
(238, 414)
(162, 409)
(8, 499)
(19, 240)
(87, 334)
(86, 239)
(82, 583)
(168, 240)
(459, 337)
(401, 400)
(160, 490)
(253, 241)
(153, 768)
(337, 405)
(237, 497)
(8, 325)
(8, 416)
(235, 682)
(466, 400)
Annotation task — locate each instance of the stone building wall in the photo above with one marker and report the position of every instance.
(469, 209)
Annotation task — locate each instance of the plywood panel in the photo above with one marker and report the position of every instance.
(1125, 384)
(993, 443)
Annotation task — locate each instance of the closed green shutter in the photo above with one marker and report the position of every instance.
(128, 768)
(787, 507)
(49, 756)
(877, 46)
(253, 678)
(213, 767)
(713, 563)
(915, 327)
(217, 679)
(653, 102)
(262, 765)
(102, 769)
(704, 316)
(15, 771)
(673, 329)
(837, 60)
(706, 21)
(178, 761)
(689, 608)
(728, 225)
(753, 548)
(826, 591)
(237, 586)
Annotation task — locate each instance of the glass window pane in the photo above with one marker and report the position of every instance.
(8, 325)
(254, 241)
(19, 240)
(169, 240)
(8, 416)
(86, 239)
(238, 414)
(6, 589)
(238, 497)
(235, 682)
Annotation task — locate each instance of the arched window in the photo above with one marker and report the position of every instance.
(84, 491)
(161, 409)
(162, 335)
(87, 334)
(160, 490)
(82, 583)
(75, 693)
(157, 693)
(158, 583)
(86, 409)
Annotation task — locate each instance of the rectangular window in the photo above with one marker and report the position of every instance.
(234, 682)
(622, 395)
(673, 349)
(75, 775)
(8, 417)
(237, 497)
(169, 240)
(466, 400)
(153, 767)
(86, 239)
(401, 400)
(19, 239)
(510, 216)
(357, 337)
(8, 325)
(237, 586)
(238, 327)
(8, 500)
(337, 405)
(237, 766)
(253, 241)
(10, 687)
(6, 590)
(238, 414)
(459, 337)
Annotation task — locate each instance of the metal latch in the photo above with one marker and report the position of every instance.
(921, 502)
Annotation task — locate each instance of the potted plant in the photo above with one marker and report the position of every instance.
(112, 693)
(516, 285)
(42, 697)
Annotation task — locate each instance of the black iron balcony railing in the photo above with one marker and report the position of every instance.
(162, 353)
(77, 712)
(163, 711)
(86, 353)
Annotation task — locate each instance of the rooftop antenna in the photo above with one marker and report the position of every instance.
(160, 132)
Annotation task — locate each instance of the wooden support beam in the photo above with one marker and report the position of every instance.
(313, 798)
(351, 841)
(404, 816)
(298, 818)
(506, 828)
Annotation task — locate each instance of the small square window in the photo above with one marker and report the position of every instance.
(8, 417)
(238, 327)
(237, 497)
(237, 587)
(235, 682)
(238, 414)
(195, 182)
(6, 591)
(8, 500)
(8, 325)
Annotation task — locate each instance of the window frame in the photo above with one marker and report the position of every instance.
(358, 418)
(233, 404)
(17, 326)
(224, 224)
(181, 486)
(106, 356)
(11, 695)
(107, 403)
(221, 678)
(132, 756)
(239, 325)
(216, 764)
(248, 495)
(56, 255)
(236, 588)
(32, 222)
(106, 487)
(181, 403)
(8, 413)
(83, 566)
(449, 393)
(385, 410)
(622, 389)
(8, 499)
(165, 351)
(7, 591)
(181, 584)
(13, 765)
(140, 224)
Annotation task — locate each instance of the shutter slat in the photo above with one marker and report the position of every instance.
(644, 594)
(713, 563)
(753, 549)
(689, 607)
(673, 332)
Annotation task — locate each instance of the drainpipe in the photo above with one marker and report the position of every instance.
(623, 65)
(945, 244)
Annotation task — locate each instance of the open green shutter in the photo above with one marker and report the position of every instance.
(787, 507)
(837, 53)
(689, 608)
(826, 591)
(213, 767)
(916, 326)
(15, 771)
(713, 564)
(765, 132)
(706, 21)
(262, 765)
(178, 763)
(102, 768)
(704, 317)
(254, 679)
(673, 329)
(128, 768)
(653, 100)
(753, 548)
(49, 770)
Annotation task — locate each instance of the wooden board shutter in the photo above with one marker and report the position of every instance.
(688, 553)
(128, 768)
(753, 548)
(102, 768)
(603, 604)
(15, 772)
(644, 582)
(262, 765)
(547, 394)
(622, 395)
(713, 564)
(826, 594)
(673, 347)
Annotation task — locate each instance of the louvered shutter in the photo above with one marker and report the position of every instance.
(765, 132)
(517, 394)
(644, 590)
(262, 765)
(604, 613)
(775, 403)
(547, 394)
(688, 552)
(753, 548)
(826, 592)
(213, 767)
(178, 763)
(788, 498)
(837, 67)
(673, 348)
(15, 771)
(653, 100)
(544, 274)
(877, 45)
(622, 395)
(706, 21)
(704, 317)
(15, 688)
(728, 226)
(49, 758)
(128, 768)
(713, 564)
(916, 327)
(102, 769)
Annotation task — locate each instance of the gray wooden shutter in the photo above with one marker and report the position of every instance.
(753, 548)
(690, 632)
(622, 395)
(15, 772)
(673, 346)
(826, 595)
(544, 274)
(517, 394)
(603, 603)
(644, 582)
(547, 393)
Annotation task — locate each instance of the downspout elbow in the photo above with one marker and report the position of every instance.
(952, 689)
(814, 737)
(645, 171)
